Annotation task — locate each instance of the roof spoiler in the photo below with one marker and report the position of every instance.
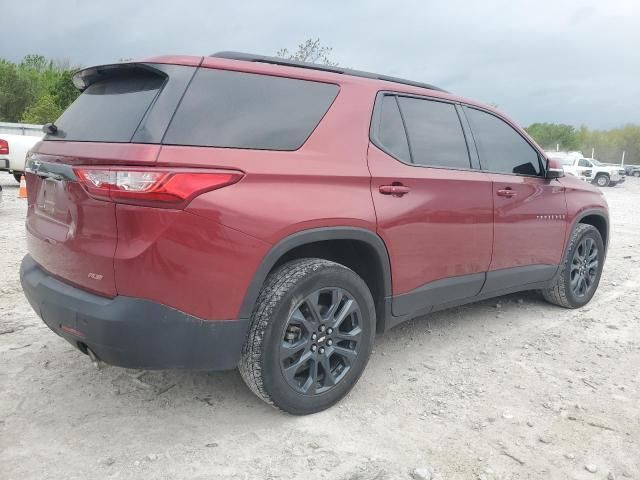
(85, 77)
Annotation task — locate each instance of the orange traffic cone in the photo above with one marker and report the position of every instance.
(22, 193)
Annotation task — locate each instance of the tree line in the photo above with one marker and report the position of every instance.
(37, 90)
(607, 145)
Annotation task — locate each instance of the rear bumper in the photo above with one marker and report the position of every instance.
(132, 332)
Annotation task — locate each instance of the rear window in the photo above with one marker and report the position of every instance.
(224, 108)
(111, 109)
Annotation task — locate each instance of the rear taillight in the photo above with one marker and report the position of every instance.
(151, 186)
(4, 147)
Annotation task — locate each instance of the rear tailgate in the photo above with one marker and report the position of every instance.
(70, 234)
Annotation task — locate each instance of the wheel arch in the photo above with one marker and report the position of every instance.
(357, 248)
(597, 218)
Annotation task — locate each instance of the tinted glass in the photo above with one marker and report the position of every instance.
(109, 110)
(583, 163)
(435, 133)
(500, 147)
(243, 110)
(391, 134)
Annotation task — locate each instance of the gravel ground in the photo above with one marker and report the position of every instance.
(508, 388)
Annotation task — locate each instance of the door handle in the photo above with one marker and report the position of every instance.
(397, 190)
(506, 192)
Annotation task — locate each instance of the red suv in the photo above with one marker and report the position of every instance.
(246, 211)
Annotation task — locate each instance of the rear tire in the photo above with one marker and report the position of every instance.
(579, 275)
(613, 184)
(602, 180)
(17, 176)
(636, 174)
(311, 335)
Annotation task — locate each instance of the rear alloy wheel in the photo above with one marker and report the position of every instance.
(311, 336)
(321, 341)
(602, 180)
(579, 276)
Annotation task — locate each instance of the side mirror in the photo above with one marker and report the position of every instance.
(554, 169)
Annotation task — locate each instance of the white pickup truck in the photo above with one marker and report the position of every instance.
(602, 174)
(13, 151)
(591, 170)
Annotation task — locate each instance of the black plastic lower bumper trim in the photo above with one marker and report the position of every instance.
(132, 332)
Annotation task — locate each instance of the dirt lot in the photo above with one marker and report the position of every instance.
(508, 388)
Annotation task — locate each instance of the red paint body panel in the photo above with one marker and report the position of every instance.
(441, 228)
(582, 198)
(184, 261)
(97, 153)
(71, 235)
(529, 227)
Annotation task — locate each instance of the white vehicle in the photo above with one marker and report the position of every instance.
(602, 174)
(589, 169)
(13, 151)
(567, 160)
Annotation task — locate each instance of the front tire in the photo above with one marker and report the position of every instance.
(579, 275)
(311, 335)
(602, 180)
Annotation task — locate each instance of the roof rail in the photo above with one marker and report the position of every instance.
(249, 57)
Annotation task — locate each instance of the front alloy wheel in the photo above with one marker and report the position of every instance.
(584, 267)
(579, 275)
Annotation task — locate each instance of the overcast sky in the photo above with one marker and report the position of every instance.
(575, 62)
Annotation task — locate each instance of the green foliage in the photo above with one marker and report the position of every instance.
(35, 89)
(44, 110)
(608, 145)
(311, 50)
(64, 91)
(14, 92)
(549, 135)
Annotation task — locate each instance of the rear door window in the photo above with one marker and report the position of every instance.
(500, 147)
(223, 108)
(391, 133)
(110, 109)
(436, 138)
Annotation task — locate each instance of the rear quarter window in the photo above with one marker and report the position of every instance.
(223, 108)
